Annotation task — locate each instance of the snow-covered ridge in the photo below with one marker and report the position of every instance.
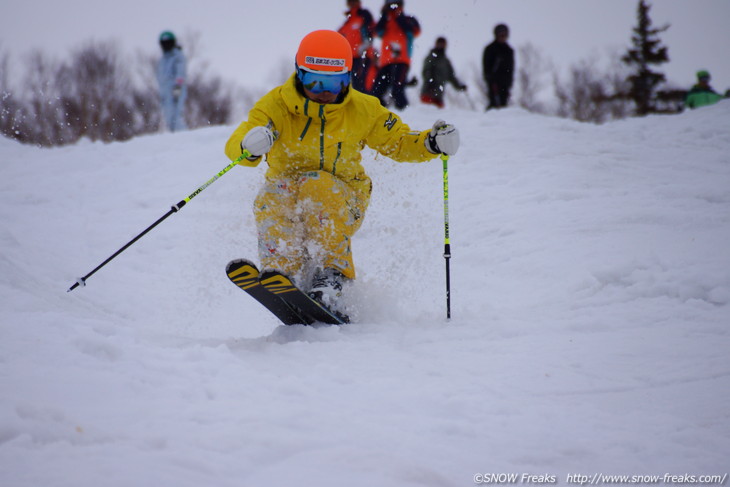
(591, 292)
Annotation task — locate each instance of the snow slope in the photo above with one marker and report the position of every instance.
(590, 330)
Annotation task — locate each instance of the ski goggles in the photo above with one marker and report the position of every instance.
(318, 82)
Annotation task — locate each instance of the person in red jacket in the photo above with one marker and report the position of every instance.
(358, 29)
(397, 31)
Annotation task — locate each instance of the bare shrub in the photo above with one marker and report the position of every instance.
(531, 73)
(11, 108)
(479, 92)
(209, 101)
(97, 93)
(592, 95)
(101, 95)
(583, 96)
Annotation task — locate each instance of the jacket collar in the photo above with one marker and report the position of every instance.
(298, 104)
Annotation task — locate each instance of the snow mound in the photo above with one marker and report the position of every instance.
(590, 293)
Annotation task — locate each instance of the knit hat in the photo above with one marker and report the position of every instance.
(703, 74)
(500, 29)
(167, 41)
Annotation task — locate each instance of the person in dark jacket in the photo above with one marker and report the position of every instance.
(397, 31)
(498, 65)
(437, 71)
(358, 29)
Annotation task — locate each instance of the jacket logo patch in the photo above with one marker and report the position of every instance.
(390, 123)
(323, 61)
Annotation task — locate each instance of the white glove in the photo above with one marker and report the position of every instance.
(443, 139)
(258, 141)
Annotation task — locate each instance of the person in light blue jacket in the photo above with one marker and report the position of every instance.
(171, 77)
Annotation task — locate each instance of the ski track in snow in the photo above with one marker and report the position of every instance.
(590, 294)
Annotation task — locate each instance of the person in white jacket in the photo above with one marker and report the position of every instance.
(171, 78)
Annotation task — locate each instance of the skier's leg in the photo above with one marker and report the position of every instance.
(400, 73)
(180, 112)
(383, 81)
(332, 212)
(168, 112)
(280, 235)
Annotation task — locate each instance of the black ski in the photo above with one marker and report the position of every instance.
(280, 296)
(297, 299)
(245, 275)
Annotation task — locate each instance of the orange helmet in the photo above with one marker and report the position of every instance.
(325, 50)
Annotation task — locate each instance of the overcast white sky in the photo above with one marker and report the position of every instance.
(245, 40)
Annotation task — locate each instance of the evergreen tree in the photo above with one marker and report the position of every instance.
(647, 50)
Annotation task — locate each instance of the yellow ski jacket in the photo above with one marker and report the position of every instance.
(329, 137)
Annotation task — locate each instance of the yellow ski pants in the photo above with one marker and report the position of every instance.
(307, 220)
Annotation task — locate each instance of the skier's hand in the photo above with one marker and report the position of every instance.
(258, 141)
(176, 92)
(443, 139)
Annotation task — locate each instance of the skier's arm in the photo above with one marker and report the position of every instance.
(257, 118)
(380, 26)
(428, 70)
(510, 66)
(181, 71)
(394, 139)
(452, 77)
(368, 25)
(409, 25)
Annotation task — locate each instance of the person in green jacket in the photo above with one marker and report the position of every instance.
(702, 93)
(437, 71)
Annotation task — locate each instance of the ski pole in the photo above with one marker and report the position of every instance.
(81, 281)
(447, 242)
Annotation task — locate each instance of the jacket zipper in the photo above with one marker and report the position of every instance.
(321, 137)
(323, 122)
(309, 120)
(337, 157)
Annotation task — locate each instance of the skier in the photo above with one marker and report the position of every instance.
(498, 65)
(702, 93)
(358, 29)
(437, 71)
(397, 31)
(312, 130)
(171, 78)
